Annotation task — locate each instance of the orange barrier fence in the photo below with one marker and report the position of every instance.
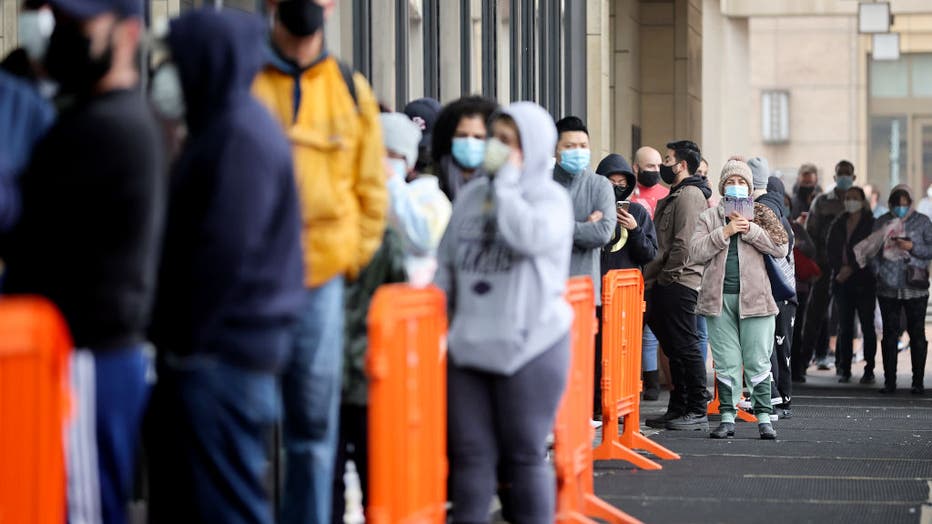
(576, 500)
(716, 404)
(622, 326)
(34, 400)
(407, 371)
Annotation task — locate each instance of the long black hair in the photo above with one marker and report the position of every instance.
(450, 117)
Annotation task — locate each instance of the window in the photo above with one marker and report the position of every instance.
(888, 153)
(889, 79)
(775, 117)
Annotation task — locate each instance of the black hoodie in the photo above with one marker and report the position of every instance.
(774, 199)
(231, 279)
(627, 249)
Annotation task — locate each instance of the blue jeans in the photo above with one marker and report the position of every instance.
(648, 350)
(111, 393)
(703, 330)
(311, 394)
(206, 435)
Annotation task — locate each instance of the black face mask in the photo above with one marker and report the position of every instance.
(648, 178)
(804, 193)
(667, 174)
(301, 17)
(621, 193)
(69, 61)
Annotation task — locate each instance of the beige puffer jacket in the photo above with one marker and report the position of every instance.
(709, 247)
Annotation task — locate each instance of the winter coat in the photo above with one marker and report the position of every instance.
(840, 246)
(675, 220)
(634, 248)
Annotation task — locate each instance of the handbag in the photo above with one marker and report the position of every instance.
(917, 277)
(782, 278)
(806, 268)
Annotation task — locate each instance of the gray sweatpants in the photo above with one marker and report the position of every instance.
(497, 429)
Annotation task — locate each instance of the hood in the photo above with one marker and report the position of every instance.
(760, 172)
(696, 181)
(538, 140)
(904, 188)
(773, 198)
(615, 164)
(218, 53)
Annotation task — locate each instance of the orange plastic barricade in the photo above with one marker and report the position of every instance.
(576, 500)
(34, 349)
(406, 364)
(622, 326)
(716, 403)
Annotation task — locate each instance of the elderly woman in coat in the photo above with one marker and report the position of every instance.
(736, 297)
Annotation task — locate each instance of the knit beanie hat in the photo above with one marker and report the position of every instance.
(401, 136)
(760, 171)
(735, 167)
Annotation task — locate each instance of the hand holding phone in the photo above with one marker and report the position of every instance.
(623, 204)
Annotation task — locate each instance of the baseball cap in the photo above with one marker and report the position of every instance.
(84, 9)
(424, 112)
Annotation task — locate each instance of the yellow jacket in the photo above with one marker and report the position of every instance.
(338, 156)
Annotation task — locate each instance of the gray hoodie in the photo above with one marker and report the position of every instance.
(506, 289)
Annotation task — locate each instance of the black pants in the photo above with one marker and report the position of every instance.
(798, 363)
(891, 311)
(353, 445)
(816, 329)
(852, 301)
(672, 317)
(782, 384)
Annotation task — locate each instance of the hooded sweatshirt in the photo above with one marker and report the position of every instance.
(589, 193)
(231, 274)
(504, 267)
(675, 219)
(774, 199)
(627, 249)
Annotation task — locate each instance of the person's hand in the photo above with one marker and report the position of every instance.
(595, 216)
(626, 220)
(801, 219)
(844, 274)
(905, 245)
(738, 224)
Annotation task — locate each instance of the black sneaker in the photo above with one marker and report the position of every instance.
(888, 390)
(766, 431)
(689, 422)
(786, 413)
(724, 430)
(918, 390)
(845, 378)
(661, 421)
(868, 377)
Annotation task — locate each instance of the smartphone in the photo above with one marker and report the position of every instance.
(743, 206)
(623, 204)
(907, 239)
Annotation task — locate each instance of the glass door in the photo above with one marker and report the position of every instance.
(921, 176)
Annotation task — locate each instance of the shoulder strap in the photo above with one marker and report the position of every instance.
(347, 71)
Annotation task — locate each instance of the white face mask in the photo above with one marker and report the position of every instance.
(166, 94)
(853, 206)
(496, 154)
(35, 28)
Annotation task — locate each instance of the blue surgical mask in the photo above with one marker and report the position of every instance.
(900, 211)
(575, 161)
(468, 152)
(399, 166)
(844, 182)
(736, 191)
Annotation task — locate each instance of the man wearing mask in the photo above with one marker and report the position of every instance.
(647, 163)
(807, 188)
(592, 196)
(332, 119)
(458, 142)
(673, 282)
(88, 240)
(825, 209)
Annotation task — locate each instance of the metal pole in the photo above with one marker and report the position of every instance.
(432, 48)
(401, 53)
(362, 37)
(575, 59)
(514, 46)
(465, 47)
(528, 80)
(489, 51)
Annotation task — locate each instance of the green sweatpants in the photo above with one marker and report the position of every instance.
(738, 342)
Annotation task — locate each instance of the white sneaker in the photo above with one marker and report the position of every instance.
(596, 424)
(744, 404)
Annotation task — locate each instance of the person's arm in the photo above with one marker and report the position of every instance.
(768, 243)
(407, 218)
(531, 228)
(707, 241)
(594, 235)
(922, 247)
(369, 182)
(643, 238)
(691, 203)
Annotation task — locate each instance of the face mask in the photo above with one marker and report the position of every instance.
(621, 193)
(496, 154)
(736, 191)
(69, 61)
(468, 152)
(900, 211)
(667, 174)
(399, 166)
(805, 192)
(301, 17)
(575, 161)
(166, 93)
(648, 178)
(35, 28)
(853, 206)
(844, 182)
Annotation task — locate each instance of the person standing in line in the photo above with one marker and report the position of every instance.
(332, 118)
(503, 263)
(88, 238)
(649, 191)
(673, 280)
(230, 283)
(458, 143)
(736, 297)
(633, 246)
(805, 190)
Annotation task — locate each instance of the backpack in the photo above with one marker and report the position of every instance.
(346, 71)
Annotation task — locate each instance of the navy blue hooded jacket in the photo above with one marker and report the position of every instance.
(231, 277)
(627, 249)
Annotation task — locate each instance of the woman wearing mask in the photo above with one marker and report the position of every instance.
(852, 286)
(899, 251)
(736, 296)
(458, 144)
(503, 263)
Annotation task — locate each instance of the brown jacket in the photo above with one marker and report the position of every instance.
(709, 248)
(675, 220)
